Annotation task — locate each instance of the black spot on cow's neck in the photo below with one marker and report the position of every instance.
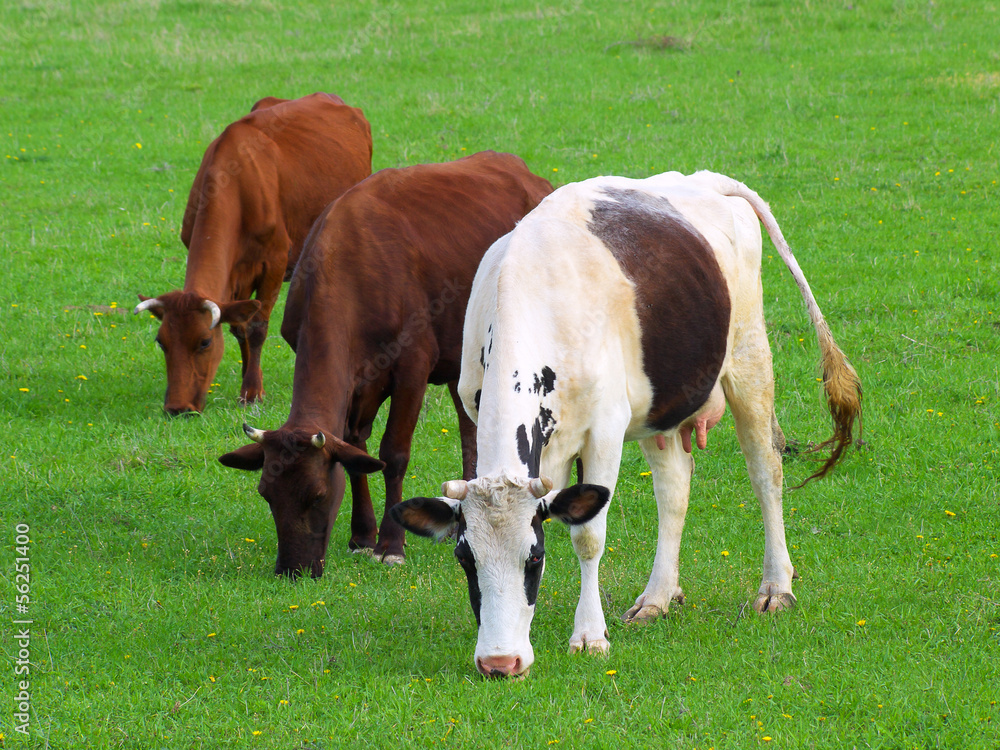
(535, 563)
(479, 396)
(530, 451)
(681, 298)
(463, 553)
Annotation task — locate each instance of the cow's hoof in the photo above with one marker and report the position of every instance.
(598, 646)
(641, 614)
(251, 397)
(366, 551)
(768, 602)
(389, 559)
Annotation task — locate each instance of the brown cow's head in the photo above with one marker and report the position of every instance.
(302, 480)
(191, 340)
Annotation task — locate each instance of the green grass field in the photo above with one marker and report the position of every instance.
(872, 128)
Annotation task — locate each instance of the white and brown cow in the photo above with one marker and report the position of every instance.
(617, 310)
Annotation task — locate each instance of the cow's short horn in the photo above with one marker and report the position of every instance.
(253, 433)
(209, 306)
(318, 440)
(540, 486)
(146, 304)
(455, 489)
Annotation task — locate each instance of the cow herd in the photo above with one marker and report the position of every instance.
(563, 323)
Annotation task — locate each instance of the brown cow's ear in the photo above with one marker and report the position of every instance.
(433, 517)
(354, 459)
(579, 503)
(238, 312)
(248, 458)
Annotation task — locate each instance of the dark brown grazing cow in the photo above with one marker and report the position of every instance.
(375, 311)
(260, 187)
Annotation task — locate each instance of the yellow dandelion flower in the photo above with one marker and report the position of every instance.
(862, 623)
(611, 672)
(949, 514)
(24, 390)
(725, 553)
(293, 606)
(300, 631)
(211, 635)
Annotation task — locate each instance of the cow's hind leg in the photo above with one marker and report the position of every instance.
(671, 469)
(749, 389)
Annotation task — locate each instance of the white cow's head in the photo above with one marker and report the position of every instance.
(501, 547)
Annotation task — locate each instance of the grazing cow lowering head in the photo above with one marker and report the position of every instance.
(260, 187)
(191, 339)
(309, 467)
(498, 524)
(617, 310)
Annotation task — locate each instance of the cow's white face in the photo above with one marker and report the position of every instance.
(501, 548)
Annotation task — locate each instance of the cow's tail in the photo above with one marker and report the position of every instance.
(840, 381)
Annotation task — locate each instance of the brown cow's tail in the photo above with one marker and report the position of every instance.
(840, 381)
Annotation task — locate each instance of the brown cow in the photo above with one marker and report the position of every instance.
(260, 187)
(375, 311)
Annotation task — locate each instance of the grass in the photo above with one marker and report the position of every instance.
(871, 128)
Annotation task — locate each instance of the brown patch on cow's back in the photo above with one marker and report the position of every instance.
(681, 298)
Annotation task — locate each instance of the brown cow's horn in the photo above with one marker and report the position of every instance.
(540, 486)
(209, 306)
(318, 440)
(146, 304)
(455, 489)
(253, 433)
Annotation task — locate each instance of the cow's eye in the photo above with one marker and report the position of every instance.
(535, 560)
(205, 343)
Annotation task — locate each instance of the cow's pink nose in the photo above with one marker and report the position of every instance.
(499, 666)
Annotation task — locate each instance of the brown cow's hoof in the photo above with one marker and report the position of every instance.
(366, 551)
(389, 559)
(768, 602)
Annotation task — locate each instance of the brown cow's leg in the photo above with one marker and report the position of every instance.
(240, 334)
(267, 295)
(363, 528)
(467, 431)
(404, 409)
(253, 377)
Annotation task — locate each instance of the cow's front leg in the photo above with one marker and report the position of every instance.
(253, 377)
(467, 431)
(671, 468)
(600, 459)
(404, 410)
(363, 527)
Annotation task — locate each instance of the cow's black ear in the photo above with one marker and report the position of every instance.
(248, 458)
(426, 516)
(579, 503)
